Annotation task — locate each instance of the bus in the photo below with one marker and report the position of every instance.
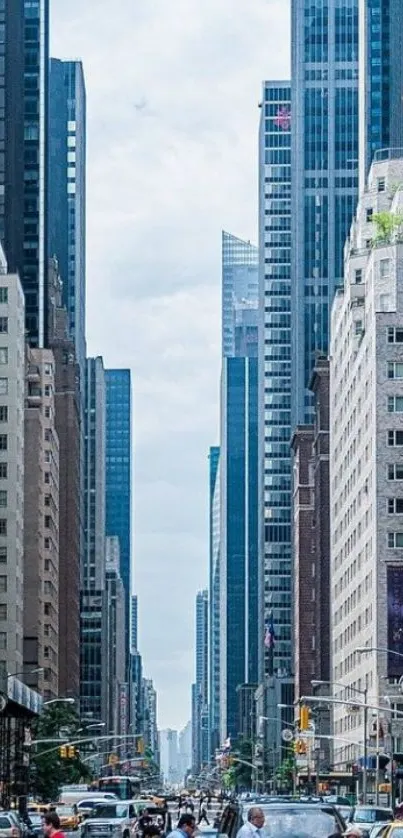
(126, 788)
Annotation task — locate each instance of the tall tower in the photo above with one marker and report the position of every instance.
(324, 174)
(214, 599)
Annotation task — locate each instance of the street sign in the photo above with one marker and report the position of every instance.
(287, 735)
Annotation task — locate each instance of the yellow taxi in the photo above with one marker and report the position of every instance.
(393, 829)
(69, 819)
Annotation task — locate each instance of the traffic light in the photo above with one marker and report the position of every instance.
(71, 751)
(304, 717)
(63, 752)
(300, 747)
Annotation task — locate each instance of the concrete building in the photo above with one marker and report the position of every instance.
(41, 525)
(185, 751)
(274, 457)
(93, 609)
(324, 113)
(12, 392)
(214, 598)
(116, 633)
(381, 79)
(67, 422)
(366, 460)
(23, 146)
(169, 755)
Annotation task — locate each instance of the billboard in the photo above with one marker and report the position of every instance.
(395, 621)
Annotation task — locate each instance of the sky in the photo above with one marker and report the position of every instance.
(173, 88)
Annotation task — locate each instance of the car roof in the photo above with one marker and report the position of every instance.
(372, 807)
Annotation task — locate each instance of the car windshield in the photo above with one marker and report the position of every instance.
(65, 811)
(35, 819)
(109, 811)
(371, 815)
(300, 822)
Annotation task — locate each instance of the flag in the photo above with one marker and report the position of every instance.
(283, 119)
(270, 636)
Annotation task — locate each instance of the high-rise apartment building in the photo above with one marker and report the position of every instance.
(324, 114)
(381, 79)
(366, 455)
(239, 283)
(66, 191)
(214, 598)
(12, 396)
(41, 525)
(23, 144)
(118, 473)
(116, 652)
(275, 577)
(93, 682)
(67, 422)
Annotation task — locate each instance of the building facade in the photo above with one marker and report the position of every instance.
(116, 634)
(214, 598)
(134, 623)
(239, 282)
(12, 387)
(324, 112)
(366, 461)
(66, 191)
(275, 375)
(118, 473)
(381, 79)
(93, 611)
(150, 724)
(169, 755)
(41, 526)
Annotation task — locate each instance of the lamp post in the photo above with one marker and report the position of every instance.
(364, 693)
(58, 701)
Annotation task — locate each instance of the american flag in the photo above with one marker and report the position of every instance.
(283, 118)
(270, 636)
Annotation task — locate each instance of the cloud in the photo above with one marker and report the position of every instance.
(172, 94)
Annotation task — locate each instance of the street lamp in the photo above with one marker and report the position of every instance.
(88, 727)
(58, 701)
(24, 672)
(363, 650)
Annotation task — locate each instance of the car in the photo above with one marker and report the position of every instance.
(117, 819)
(378, 829)
(302, 819)
(9, 827)
(394, 829)
(366, 816)
(36, 824)
(69, 819)
(344, 811)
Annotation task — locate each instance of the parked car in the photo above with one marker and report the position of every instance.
(9, 827)
(36, 828)
(111, 818)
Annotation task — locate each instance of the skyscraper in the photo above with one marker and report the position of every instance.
(214, 599)
(116, 662)
(66, 191)
(381, 79)
(93, 682)
(200, 725)
(324, 116)
(23, 175)
(239, 283)
(275, 376)
(118, 474)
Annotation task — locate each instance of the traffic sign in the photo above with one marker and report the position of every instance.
(287, 735)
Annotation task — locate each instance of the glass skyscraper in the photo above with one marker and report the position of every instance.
(118, 474)
(381, 79)
(324, 174)
(66, 190)
(23, 151)
(240, 261)
(275, 375)
(214, 598)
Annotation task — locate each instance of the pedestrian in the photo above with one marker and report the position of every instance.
(253, 825)
(51, 825)
(353, 832)
(145, 820)
(203, 813)
(186, 827)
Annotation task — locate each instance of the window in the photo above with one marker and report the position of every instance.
(395, 540)
(358, 327)
(395, 438)
(48, 369)
(3, 386)
(3, 611)
(3, 498)
(384, 268)
(381, 184)
(395, 506)
(369, 214)
(395, 369)
(358, 276)
(3, 640)
(395, 471)
(3, 413)
(3, 584)
(3, 355)
(3, 526)
(395, 404)
(47, 412)
(3, 295)
(3, 554)
(395, 335)
(47, 477)
(3, 325)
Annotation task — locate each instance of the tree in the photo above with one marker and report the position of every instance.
(388, 226)
(284, 775)
(48, 769)
(242, 763)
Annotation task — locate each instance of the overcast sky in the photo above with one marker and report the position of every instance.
(172, 94)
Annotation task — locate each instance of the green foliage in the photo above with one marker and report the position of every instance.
(241, 773)
(388, 226)
(285, 774)
(47, 769)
